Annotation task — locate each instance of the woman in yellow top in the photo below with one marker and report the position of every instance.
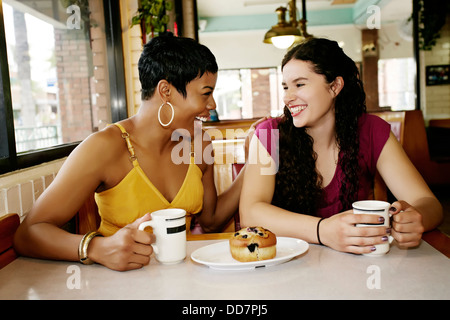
(135, 166)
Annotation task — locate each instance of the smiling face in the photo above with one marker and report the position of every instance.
(198, 101)
(307, 94)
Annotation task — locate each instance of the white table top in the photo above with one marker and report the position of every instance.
(320, 273)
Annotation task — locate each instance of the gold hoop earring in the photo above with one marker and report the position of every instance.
(159, 114)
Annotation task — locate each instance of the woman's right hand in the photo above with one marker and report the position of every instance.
(341, 233)
(129, 248)
(251, 132)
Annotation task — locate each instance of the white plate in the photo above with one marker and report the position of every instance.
(218, 256)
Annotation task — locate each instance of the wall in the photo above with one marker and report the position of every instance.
(132, 47)
(245, 49)
(73, 74)
(20, 189)
(394, 43)
(101, 102)
(436, 99)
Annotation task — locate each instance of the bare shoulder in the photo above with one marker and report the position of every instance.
(104, 144)
(95, 154)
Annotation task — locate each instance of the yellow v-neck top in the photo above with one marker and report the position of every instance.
(135, 195)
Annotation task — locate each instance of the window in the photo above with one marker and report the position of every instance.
(396, 83)
(55, 77)
(248, 93)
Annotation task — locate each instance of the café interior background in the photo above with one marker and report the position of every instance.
(234, 30)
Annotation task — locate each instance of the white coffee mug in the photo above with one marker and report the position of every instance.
(169, 228)
(379, 208)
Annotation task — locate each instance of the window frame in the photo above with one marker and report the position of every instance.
(10, 160)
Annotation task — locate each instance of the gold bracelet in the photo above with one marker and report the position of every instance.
(83, 247)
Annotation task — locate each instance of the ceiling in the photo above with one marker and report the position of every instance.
(391, 10)
(214, 8)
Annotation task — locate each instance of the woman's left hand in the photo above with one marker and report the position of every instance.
(407, 226)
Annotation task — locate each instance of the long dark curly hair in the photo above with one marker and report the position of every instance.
(298, 184)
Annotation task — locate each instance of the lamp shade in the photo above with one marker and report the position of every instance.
(278, 31)
(283, 42)
(284, 34)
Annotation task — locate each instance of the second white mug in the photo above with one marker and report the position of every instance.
(380, 208)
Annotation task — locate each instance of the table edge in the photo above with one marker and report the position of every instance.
(438, 240)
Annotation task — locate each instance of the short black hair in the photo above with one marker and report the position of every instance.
(175, 59)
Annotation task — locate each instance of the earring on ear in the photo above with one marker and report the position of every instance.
(159, 114)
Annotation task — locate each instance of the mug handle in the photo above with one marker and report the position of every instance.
(144, 225)
(391, 238)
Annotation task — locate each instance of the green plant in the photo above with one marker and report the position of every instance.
(431, 16)
(152, 16)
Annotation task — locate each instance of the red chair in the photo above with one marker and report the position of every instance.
(8, 226)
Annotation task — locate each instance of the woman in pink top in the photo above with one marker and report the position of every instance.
(308, 166)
